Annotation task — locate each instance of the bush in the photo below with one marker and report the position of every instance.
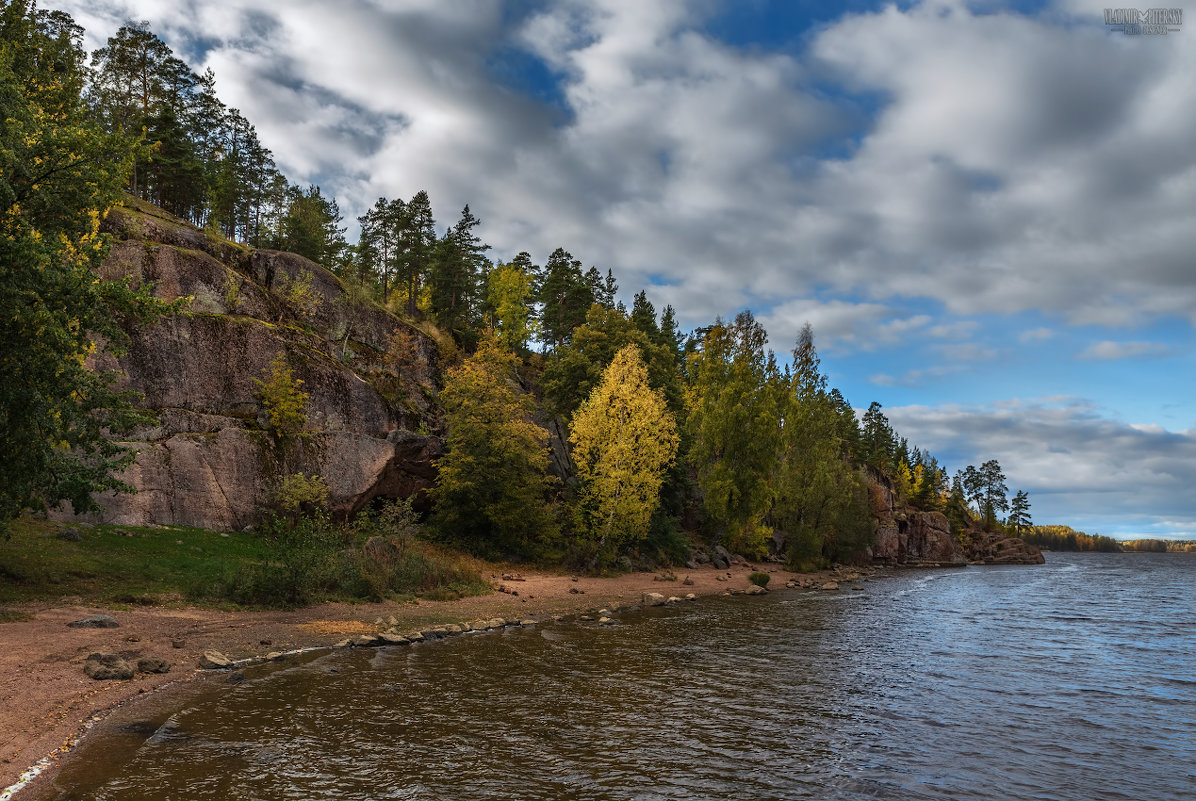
(298, 493)
(282, 398)
(758, 578)
(303, 570)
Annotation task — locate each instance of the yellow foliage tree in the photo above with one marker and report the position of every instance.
(282, 398)
(623, 438)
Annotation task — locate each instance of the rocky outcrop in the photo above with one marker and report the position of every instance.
(211, 460)
(991, 548)
(917, 538)
(905, 536)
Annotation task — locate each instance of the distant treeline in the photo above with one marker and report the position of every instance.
(1160, 546)
(1065, 538)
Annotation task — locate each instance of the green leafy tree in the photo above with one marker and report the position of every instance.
(820, 499)
(624, 439)
(510, 296)
(493, 484)
(59, 174)
(733, 423)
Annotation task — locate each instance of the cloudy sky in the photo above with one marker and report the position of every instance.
(984, 209)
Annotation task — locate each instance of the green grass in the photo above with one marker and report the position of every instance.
(125, 566)
(154, 566)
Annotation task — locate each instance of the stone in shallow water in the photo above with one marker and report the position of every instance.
(653, 599)
(95, 622)
(831, 585)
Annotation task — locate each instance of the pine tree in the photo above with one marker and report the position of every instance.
(1019, 512)
(820, 500)
(417, 248)
(878, 440)
(565, 296)
(455, 278)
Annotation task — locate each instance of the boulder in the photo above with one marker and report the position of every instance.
(755, 589)
(95, 622)
(653, 599)
(214, 660)
(103, 667)
(152, 664)
(831, 585)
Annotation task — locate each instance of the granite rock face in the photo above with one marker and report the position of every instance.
(906, 536)
(917, 538)
(211, 461)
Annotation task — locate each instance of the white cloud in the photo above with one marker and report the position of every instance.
(1019, 163)
(1109, 351)
(1035, 335)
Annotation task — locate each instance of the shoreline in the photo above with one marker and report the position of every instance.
(48, 705)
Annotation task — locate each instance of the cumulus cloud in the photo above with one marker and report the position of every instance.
(1022, 162)
(1076, 464)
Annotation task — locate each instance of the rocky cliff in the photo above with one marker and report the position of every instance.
(211, 460)
(906, 536)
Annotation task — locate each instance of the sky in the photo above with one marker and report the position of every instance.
(985, 210)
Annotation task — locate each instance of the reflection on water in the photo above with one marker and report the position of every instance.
(1074, 680)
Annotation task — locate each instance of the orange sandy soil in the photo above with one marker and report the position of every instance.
(46, 700)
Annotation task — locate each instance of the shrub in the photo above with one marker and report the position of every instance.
(303, 568)
(301, 295)
(298, 494)
(758, 578)
(282, 398)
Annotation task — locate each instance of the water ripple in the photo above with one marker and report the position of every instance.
(1069, 681)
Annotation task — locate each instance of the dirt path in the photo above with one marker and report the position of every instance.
(46, 700)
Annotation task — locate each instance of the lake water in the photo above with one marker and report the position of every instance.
(1074, 680)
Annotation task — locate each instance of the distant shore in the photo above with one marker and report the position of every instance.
(46, 701)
